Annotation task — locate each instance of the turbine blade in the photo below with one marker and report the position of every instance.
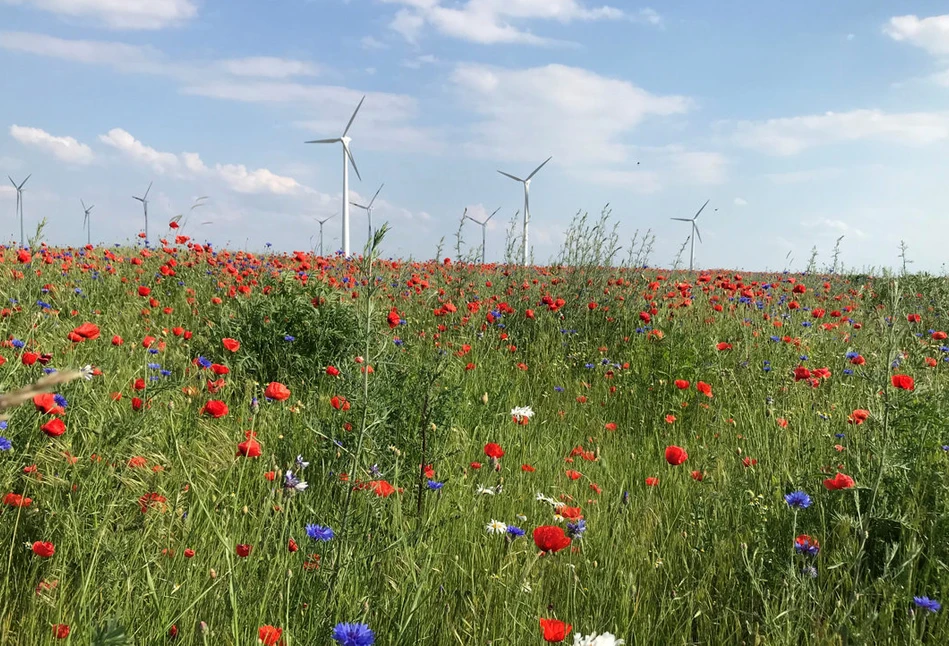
(25, 181)
(702, 209)
(145, 197)
(323, 141)
(353, 118)
(539, 167)
(12, 182)
(699, 235)
(352, 161)
(517, 179)
(681, 219)
(375, 196)
(360, 206)
(492, 215)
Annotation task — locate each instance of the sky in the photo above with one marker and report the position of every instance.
(800, 122)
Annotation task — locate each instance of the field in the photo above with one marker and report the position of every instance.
(264, 447)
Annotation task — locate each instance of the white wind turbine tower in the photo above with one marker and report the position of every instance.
(144, 201)
(19, 204)
(695, 232)
(484, 226)
(347, 157)
(527, 211)
(368, 209)
(86, 220)
(322, 222)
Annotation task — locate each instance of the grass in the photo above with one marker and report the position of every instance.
(689, 561)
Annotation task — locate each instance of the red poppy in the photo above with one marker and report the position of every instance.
(858, 416)
(698, 476)
(16, 500)
(292, 546)
(144, 291)
(574, 475)
(85, 332)
(277, 391)
(493, 450)
(839, 481)
(43, 549)
(46, 403)
(555, 630)
(249, 448)
(676, 455)
(670, 419)
(332, 371)
(382, 488)
(704, 388)
(801, 373)
(723, 346)
(54, 427)
(550, 538)
(60, 631)
(681, 384)
(269, 635)
(570, 513)
(610, 426)
(214, 408)
(243, 550)
(231, 344)
(151, 500)
(189, 553)
(339, 403)
(219, 369)
(652, 482)
(117, 340)
(526, 468)
(903, 382)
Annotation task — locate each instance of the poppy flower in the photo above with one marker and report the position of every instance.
(269, 635)
(339, 403)
(46, 403)
(704, 388)
(550, 539)
(723, 346)
(858, 416)
(16, 500)
(903, 382)
(610, 426)
(43, 549)
(332, 371)
(84, 332)
(652, 482)
(801, 373)
(60, 631)
(698, 476)
(681, 384)
(493, 450)
(838, 482)
(382, 488)
(277, 391)
(214, 408)
(54, 427)
(526, 468)
(676, 455)
(574, 475)
(249, 448)
(233, 345)
(243, 550)
(554, 630)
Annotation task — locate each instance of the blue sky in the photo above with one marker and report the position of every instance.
(801, 122)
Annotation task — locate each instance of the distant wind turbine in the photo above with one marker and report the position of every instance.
(322, 222)
(527, 211)
(368, 209)
(347, 157)
(86, 220)
(19, 204)
(484, 227)
(144, 201)
(695, 232)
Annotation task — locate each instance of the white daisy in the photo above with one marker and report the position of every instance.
(496, 527)
(606, 639)
(522, 411)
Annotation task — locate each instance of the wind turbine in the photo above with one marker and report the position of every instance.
(347, 156)
(19, 204)
(695, 232)
(368, 209)
(86, 221)
(527, 212)
(322, 222)
(484, 226)
(144, 201)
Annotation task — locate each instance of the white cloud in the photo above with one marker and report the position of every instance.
(119, 14)
(702, 167)
(189, 165)
(490, 21)
(574, 114)
(833, 226)
(368, 42)
(930, 34)
(789, 136)
(66, 149)
(119, 56)
(797, 177)
(268, 67)
(740, 201)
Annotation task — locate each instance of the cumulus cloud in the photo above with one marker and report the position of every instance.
(119, 14)
(66, 149)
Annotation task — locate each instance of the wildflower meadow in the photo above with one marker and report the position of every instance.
(213, 446)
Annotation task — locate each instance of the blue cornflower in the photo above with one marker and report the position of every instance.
(397, 341)
(204, 363)
(289, 338)
(945, 447)
(319, 532)
(153, 351)
(798, 500)
(848, 371)
(5, 444)
(346, 634)
(840, 436)
(434, 485)
(806, 545)
(154, 366)
(775, 338)
(301, 463)
(928, 604)
(588, 365)
(17, 343)
(43, 305)
(49, 371)
(60, 400)
(165, 373)
(803, 357)
(515, 531)
(559, 389)
(575, 530)
(853, 355)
